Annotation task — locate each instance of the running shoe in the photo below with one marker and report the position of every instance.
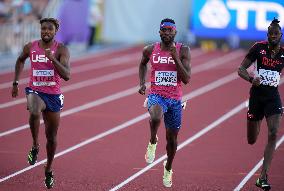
(49, 180)
(263, 184)
(150, 153)
(32, 156)
(168, 175)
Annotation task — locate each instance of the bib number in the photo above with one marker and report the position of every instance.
(166, 78)
(269, 77)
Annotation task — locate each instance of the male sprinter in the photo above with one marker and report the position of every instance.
(264, 96)
(49, 62)
(170, 63)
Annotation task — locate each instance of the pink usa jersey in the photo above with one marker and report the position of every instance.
(43, 75)
(164, 79)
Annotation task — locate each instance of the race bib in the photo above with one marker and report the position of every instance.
(43, 78)
(166, 78)
(268, 77)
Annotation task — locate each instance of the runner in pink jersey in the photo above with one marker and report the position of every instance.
(49, 62)
(170, 67)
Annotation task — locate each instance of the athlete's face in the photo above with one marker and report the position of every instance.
(274, 35)
(48, 31)
(167, 35)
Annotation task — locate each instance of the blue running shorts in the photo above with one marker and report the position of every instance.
(53, 102)
(172, 109)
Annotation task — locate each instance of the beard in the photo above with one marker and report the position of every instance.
(273, 42)
(167, 39)
(46, 40)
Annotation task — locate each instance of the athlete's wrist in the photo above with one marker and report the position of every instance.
(251, 79)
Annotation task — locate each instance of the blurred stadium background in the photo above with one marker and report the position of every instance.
(209, 24)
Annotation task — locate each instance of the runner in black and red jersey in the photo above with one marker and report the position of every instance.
(264, 98)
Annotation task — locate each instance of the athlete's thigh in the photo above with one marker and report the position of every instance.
(156, 106)
(35, 103)
(51, 121)
(172, 117)
(255, 109)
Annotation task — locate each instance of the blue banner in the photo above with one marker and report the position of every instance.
(246, 18)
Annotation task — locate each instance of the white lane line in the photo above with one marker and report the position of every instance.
(122, 94)
(113, 130)
(197, 69)
(95, 55)
(81, 107)
(87, 67)
(88, 141)
(183, 144)
(100, 64)
(219, 61)
(257, 166)
(191, 139)
(81, 84)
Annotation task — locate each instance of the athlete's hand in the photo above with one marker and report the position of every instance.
(173, 51)
(15, 91)
(49, 54)
(142, 89)
(256, 81)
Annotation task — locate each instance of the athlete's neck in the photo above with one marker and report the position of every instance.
(46, 45)
(166, 46)
(274, 48)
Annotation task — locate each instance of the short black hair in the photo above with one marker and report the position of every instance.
(168, 20)
(275, 23)
(52, 20)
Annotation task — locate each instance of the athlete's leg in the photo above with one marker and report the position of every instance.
(35, 106)
(253, 128)
(171, 135)
(51, 120)
(273, 123)
(156, 114)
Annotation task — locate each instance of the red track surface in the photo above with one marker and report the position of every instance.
(217, 160)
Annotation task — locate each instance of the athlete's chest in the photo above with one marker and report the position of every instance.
(162, 61)
(266, 60)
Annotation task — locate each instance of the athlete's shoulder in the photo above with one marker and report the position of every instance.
(184, 48)
(62, 47)
(147, 50)
(27, 47)
(260, 43)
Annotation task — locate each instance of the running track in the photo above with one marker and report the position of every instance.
(104, 130)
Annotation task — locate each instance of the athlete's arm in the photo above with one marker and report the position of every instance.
(61, 61)
(243, 73)
(147, 51)
(19, 68)
(182, 63)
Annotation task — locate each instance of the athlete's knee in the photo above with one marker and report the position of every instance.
(34, 114)
(51, 140)
(272, 134)
(171, 140)
(155, 119)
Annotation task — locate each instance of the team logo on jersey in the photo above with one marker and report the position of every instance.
(157, 59)
(262, 52)
(270, 62)
(39, 57)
